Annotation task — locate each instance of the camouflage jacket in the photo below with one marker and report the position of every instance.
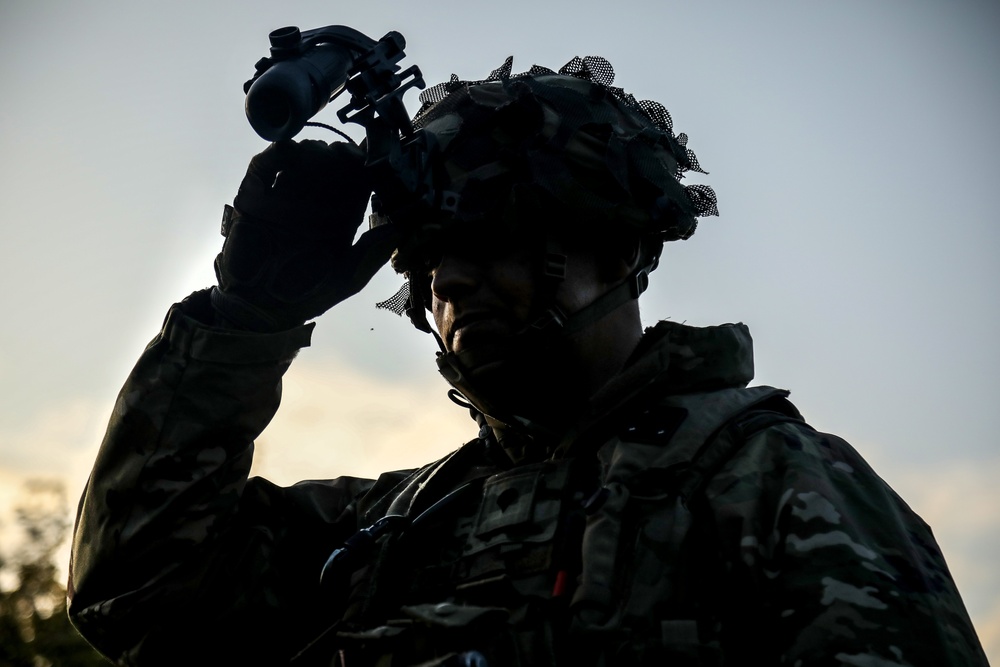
(688, 521)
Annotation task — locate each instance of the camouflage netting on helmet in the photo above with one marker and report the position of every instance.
(571, 136)
(563, 150)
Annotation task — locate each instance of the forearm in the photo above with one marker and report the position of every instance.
(158, 511)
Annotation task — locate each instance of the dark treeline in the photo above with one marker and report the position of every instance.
(34, 628)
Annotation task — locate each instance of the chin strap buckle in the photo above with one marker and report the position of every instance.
(639, 282)
(554, 262)
(552, 318)
(555, 265)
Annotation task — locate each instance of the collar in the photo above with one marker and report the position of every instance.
(671, 358)
(682, 359)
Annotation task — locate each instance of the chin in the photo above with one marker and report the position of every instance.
(498, 379)
(496, 376)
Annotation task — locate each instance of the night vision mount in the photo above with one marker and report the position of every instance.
(307, 70)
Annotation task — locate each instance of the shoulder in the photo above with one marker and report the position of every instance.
(791, 467)
(811, 493)
(830, 546)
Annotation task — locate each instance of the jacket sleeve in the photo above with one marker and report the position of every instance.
(177, 557)
(838, 569)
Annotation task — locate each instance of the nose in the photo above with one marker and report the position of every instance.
(454, 276)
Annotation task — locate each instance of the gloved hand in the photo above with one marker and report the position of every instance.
(288, 255)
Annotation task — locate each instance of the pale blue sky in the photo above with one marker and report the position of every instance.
(853, 146)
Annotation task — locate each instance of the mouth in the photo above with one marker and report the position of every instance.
(474, 329)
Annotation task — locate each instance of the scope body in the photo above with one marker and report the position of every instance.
(305, 71)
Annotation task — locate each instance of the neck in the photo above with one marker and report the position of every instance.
(560, 396)
(602, 350)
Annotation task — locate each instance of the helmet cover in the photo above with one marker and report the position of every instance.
(562, 150)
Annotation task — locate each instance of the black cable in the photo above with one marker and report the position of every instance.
(332, 129)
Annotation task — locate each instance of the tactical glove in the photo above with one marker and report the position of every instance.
(288, 255)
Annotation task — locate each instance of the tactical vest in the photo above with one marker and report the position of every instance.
(595, 560)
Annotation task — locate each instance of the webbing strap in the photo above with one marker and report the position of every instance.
(724, 444)
(635, 285)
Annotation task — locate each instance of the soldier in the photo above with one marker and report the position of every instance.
(628, 500)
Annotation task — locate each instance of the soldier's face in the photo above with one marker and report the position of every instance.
(483, 295)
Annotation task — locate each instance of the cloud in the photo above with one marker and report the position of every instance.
(334, 420)
(988, 626)
(59, 443)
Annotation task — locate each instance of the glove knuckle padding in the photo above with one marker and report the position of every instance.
(303, 185)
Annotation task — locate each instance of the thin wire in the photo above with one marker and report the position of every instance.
(458, 399)
(332, 129)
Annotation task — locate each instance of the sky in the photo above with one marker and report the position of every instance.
(853, 147)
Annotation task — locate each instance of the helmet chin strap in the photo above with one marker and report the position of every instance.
(532, 342)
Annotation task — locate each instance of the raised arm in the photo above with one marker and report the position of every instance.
(178, 558)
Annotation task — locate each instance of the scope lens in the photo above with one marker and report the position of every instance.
(271, 109)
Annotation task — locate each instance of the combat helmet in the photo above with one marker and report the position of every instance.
(548, 154)
(555, 152)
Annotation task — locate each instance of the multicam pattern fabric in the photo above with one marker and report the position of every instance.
(579, 101)
(585, 154)
(633, 545)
